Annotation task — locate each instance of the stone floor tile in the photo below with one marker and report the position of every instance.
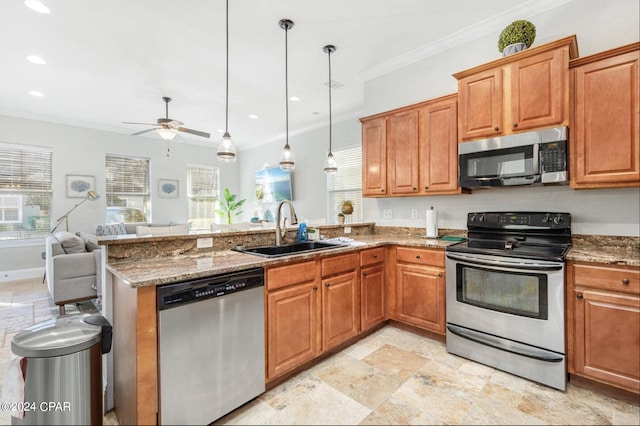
(395, 362)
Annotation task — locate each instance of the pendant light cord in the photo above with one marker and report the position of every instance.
(226, 119)
(286, 83)
(330, 120)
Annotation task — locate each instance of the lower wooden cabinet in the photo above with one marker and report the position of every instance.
(373, 309)
(340, 309)
(420, 288)
(603, 318)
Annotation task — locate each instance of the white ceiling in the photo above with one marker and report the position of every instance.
(113, 61)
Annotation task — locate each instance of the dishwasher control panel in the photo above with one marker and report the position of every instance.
(172, 295)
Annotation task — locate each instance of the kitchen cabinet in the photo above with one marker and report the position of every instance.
(340, 299)
(373, 309)
(420, 146)
(605, 141)
(374, 156)
(293, 322)
(524, 91)
(603, 317)
(420, 288)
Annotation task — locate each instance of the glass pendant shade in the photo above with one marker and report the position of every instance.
(167, 134)
(226, 150)
(330, 165)
(287, 160)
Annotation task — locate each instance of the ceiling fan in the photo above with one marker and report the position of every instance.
(166, 127)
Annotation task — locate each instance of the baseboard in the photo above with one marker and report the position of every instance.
(21, 274)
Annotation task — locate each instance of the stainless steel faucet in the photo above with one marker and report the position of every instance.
(294, 220)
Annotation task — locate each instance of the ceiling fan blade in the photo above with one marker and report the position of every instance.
(146, 124)
(178, 138)
(142, 131)
(194, 132)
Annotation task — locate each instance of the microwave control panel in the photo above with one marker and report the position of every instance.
(553, 157)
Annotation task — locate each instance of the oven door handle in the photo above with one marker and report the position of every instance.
(527, 266)
(505, 345)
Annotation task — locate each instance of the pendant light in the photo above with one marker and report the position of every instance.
(287, 160)
(330, 166)
(226, 150)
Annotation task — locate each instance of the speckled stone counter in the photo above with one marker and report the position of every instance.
(605, 249)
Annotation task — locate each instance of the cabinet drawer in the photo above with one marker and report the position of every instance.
(618, 278)
(291, 274)
(371, 256)
(420, 256)
(337, 264)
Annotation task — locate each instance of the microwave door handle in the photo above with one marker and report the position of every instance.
(505, 265)
(536, 159)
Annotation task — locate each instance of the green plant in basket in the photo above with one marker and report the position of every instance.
(520, 31)
(229, 205)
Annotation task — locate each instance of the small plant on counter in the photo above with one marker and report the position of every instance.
(229, 206)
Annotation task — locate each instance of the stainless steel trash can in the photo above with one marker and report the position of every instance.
(62, 369)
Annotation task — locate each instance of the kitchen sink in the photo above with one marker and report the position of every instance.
(284, 250)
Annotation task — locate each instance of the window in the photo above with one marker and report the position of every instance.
(346, 184)
(202, 190)
(25, 191)
(128, 195)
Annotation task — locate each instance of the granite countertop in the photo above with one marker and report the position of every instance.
(164, 270)
(140, 272)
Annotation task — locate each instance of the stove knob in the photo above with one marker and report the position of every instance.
(558, 220)
(473, 218)
(546, 218)
(483, 218)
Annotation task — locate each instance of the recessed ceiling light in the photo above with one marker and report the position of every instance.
(294, 98)
(253, 116)
(36, 60)
(315, 113)
(36, 6)
(36, 93)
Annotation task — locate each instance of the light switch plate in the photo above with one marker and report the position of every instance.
(347, 229)
(204, 243)
(386, 214)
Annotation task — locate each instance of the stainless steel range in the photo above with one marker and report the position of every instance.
(505, 293)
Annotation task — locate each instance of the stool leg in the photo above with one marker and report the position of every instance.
(62, 310)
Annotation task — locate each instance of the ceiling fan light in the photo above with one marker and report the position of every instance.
(167, 134)
(226, 150)
(330, 165)
(287, 160)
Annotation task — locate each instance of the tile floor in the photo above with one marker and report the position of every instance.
(390, 377)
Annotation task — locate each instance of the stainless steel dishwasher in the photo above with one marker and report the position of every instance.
(211, 342)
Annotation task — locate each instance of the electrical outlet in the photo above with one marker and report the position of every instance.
(204, 242)
(347, 229)
(414, 213)
(386, 214)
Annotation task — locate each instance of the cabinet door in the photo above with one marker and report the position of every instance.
(607, 340)
(420, 296)
(605, 140)
(539, 90)
(372, 300)
(480, 110)
(374, 157)
(340, 309)
(439, 147)
(292, 327)
(402, 147)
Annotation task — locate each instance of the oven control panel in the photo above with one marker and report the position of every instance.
(519, 220)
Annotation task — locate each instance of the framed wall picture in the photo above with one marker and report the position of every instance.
(168, 188)
(79, 185)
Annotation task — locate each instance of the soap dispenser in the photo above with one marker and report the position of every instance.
(302, 232)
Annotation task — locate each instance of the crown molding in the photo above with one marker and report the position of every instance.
(455, 39)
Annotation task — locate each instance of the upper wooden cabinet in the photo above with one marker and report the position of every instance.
(374, 156)
(605, 146)
(516, 93)
(421, 155)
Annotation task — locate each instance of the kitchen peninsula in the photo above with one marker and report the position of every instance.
(135, 266)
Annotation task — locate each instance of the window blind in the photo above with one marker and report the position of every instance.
(202, 190)
(346, 184)
(24, 169)
(127, 175)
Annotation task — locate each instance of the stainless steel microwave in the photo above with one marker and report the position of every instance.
(536, 157)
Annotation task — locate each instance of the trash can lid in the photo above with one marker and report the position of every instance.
(60, 336)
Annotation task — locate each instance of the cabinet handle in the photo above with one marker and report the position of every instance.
(515, 124)
(315, 288)
(579, 296)
(382, 190)
(415, 189)
(496, 128)
(327, 284)
(364, 274)
(625, 281)
(418, 256)
(439, 274)
(375, 256)
(426, 187)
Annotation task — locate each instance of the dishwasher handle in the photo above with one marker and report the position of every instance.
(178, 294)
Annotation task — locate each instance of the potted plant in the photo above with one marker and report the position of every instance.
(346, 207)
(517, 36)
(340, 218)
(229, 205)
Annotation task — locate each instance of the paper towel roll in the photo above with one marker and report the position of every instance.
(432, 223)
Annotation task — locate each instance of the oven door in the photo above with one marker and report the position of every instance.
(517, 299)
